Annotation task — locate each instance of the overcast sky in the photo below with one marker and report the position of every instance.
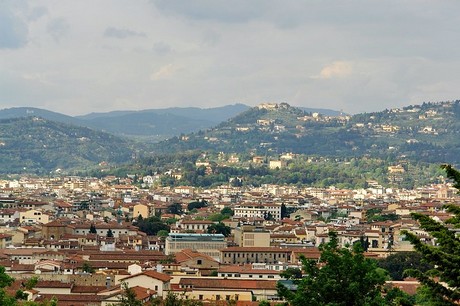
(81, 56)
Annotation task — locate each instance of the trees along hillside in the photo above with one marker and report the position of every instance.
(441, 285)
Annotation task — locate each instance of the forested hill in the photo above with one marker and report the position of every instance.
(427, 132)
(36, 145)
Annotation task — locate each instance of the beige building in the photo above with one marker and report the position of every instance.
(277, 164)
(33, 216)
(256, 210)
(141, 210)
(153, 280)
(251, 236)
(218, 289)
(243, 255)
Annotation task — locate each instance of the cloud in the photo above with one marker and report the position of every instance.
(221, 10)
(13, 30)
(165, 72)
(42, 78)
(37, 12)
(161, 48)
(58, 28)
(337, 69)
(122, 33)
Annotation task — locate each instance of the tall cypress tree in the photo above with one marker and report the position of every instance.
(441, 285)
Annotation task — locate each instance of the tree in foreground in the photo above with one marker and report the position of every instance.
(441, 285)
(399, 262)
(343, 276)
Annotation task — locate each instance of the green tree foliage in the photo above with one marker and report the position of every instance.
(87, 268)
(227, 211)
(92, 229)
(219, 228)
(31, 282)
(375, 215)
(398, 262)
(110, 233)
(163, 233)
(175, 208)
(128, 297)
(6, 281)
(196, 205)
(441, 284)
(291, 273)
(152, 225)
(346, 278)
(172, 299)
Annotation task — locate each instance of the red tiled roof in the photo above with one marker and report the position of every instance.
(153, 274)
(189, 254)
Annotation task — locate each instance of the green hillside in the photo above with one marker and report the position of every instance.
(427, 132)
(36, 145)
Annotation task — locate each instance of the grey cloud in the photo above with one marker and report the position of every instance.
(58, 28)
(37, 12)
(222, 10)
(122, 33)
(211, 38)
(13, 30)
(161, 48)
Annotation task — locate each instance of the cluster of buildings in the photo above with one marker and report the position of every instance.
(79, 236)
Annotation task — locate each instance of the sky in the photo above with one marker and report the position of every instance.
(77, 57)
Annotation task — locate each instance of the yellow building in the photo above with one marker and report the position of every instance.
(33, 216)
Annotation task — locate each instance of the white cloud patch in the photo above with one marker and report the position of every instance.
(165, 72)
(337, 69)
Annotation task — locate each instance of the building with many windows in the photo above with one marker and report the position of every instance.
(208, 244)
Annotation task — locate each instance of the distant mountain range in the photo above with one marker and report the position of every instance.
(39, 141)
(149, 125)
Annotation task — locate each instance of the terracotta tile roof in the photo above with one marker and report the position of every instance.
(153, 274)
(187, 254)
(408, 286)
(74, 299)
(87, 289)
(143, 293)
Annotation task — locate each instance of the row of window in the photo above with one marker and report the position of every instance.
(238, 255)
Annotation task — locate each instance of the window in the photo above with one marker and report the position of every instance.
(200, 297)
(156, 288)
(218, 297)
(227, 297)
(199, 262)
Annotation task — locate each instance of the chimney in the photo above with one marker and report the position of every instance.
(160, 268)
